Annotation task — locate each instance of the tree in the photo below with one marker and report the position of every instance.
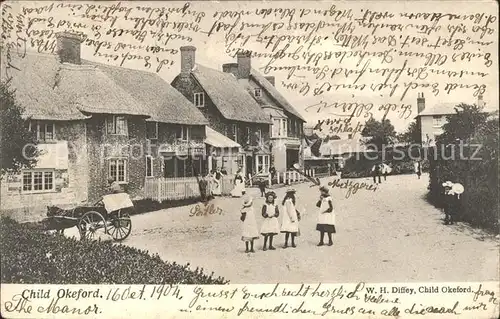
(411, 135)
(379, 133)
(17, 143)
(463, 125)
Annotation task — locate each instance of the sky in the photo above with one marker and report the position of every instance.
(211, 50)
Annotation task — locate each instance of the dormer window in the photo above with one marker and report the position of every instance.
(116, 125)
(44, 130)
(199, 99)
(257, 92)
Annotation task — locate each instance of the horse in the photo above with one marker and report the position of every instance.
(60, 224)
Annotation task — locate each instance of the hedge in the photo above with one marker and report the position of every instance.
(479, 203)
(34, 257)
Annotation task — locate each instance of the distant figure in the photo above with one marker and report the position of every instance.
(386, 170)
(262, 187)
(114, 187)
(272, 171)
(451, 203)
(217, 190)
(239, 184)
(377, 172)
(249, 228)
(418, 168)
(203, 185)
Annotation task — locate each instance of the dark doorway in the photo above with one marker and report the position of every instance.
(249, 165)
(292, 157)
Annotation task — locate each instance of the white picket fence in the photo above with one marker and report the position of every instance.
(289, 177)
(177, 188)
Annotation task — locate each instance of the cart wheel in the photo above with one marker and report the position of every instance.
(119, 225)
(92, 225)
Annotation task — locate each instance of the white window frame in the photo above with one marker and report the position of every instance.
(199, 99)
(284, 127)
(114, 119)
(260, 160)
(32, 173)
(185, 133)
(437, 121)
(125, 169)
(38, 124)
(257, 92)
(151, 139)
(235, 131)
(249, 131)
(149, 158)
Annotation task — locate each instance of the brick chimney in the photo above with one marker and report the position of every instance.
(188, 54)
(480, 101)
(270, 79)
(420, 102)
(69, 47)
(244, 64)
(230, 68)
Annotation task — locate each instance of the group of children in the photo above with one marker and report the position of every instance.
(290, 220)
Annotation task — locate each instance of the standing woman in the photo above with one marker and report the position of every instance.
(270, 225)
(239, 184)
(326, 216)
(217, 191)
(290, 224)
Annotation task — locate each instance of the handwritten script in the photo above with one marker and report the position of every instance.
(361, 299)
(318, 49)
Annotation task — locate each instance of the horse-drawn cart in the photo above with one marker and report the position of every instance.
(109, 216)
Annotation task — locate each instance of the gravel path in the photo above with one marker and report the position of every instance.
(390, 235)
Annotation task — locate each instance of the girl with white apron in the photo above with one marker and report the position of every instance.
(270, 226)
(249, 228)
(239, 185)
(326, 217)
(290, 222)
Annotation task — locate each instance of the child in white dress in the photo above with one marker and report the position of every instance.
(249, 228)
(290, 222)
(270, 225)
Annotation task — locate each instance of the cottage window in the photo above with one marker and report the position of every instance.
(118, 170)
(44, 130)
(199, 99)
(262, 163)
(149, 166)
(117, 125)
(249, 131)
(437, 121)
(183, 133)
(235, 133)
(152, 131)
(284, 127)
(257, 92)
(38, 181)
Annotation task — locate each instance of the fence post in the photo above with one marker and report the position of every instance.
(158, 190)
(313, 172)
(278, 178)
(270, 180)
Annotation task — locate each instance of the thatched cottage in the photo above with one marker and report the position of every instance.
(95, 122)
(286, 132)
(231, 112)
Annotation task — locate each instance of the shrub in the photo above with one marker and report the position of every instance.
(34, 257)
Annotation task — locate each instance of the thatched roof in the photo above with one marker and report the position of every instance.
(33, 78)
(274, 93)
(50, 90)
(164, 103)
(232, 100)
